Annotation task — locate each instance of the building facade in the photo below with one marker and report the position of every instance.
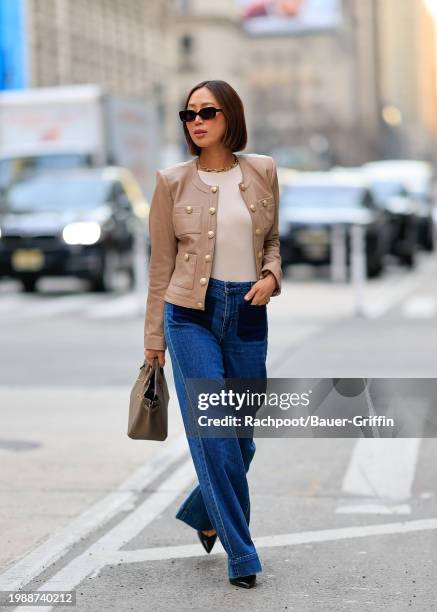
(362, 88)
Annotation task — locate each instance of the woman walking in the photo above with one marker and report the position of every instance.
(214, 265)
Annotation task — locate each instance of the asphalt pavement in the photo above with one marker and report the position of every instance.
(340, 524)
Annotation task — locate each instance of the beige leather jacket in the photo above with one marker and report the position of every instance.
(182, 226)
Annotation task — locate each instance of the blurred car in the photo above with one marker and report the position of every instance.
(391, 195)
(417, 177)
(313, 203)
(77, 222)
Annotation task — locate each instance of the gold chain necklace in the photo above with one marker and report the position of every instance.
(234, 163)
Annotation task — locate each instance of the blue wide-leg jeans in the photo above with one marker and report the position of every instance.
(226, 340)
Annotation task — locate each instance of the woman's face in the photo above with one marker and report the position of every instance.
(210, 131)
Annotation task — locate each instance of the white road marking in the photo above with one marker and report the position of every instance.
(274, 541)
(420, 307)
(9, 303)
(400, 290)
(96, 556)
(368, 506)
(107, 549)
(382, 470)
(100, 554)
(33, 563)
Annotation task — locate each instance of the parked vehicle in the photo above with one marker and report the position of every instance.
(417, 178)
(312, 203)
(72, 126)
(71, 223)
(391, 195)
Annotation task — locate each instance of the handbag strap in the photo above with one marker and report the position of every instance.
(152, 370)
(149, 366)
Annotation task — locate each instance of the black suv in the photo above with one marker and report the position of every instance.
(78, 222)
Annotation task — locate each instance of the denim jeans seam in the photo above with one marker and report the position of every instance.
(224, 316)
(234, 560)
(189, 506)
(201, 447)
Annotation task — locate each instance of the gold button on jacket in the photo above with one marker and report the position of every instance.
(182, 225)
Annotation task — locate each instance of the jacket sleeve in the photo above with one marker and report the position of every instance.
(163, 244)
(272, 257)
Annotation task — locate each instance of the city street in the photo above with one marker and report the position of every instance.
(147, 149)
(340, 524)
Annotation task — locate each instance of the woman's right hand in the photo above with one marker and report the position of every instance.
(150, 354)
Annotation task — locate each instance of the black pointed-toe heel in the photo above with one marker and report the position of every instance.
(207, 541)
(247, 582)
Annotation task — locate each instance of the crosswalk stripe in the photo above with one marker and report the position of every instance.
(123, 496)
(10, 303)
(420, 307)
(281, 540)
(392, 294)
(380, 474)
(90, 561)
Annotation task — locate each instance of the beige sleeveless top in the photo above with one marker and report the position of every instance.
(233, 255)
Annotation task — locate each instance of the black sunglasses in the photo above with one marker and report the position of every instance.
(209, 112)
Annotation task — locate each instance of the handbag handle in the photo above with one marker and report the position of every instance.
(152, 371)
(148, 366)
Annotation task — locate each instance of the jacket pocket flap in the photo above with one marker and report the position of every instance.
(187, 209)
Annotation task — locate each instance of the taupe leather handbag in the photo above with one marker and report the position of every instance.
(148, 406)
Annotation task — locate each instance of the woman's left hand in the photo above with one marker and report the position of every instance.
(262, 290)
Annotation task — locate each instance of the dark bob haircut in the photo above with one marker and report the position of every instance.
(235, 136)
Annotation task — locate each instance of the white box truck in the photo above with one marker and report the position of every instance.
(74, 126)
